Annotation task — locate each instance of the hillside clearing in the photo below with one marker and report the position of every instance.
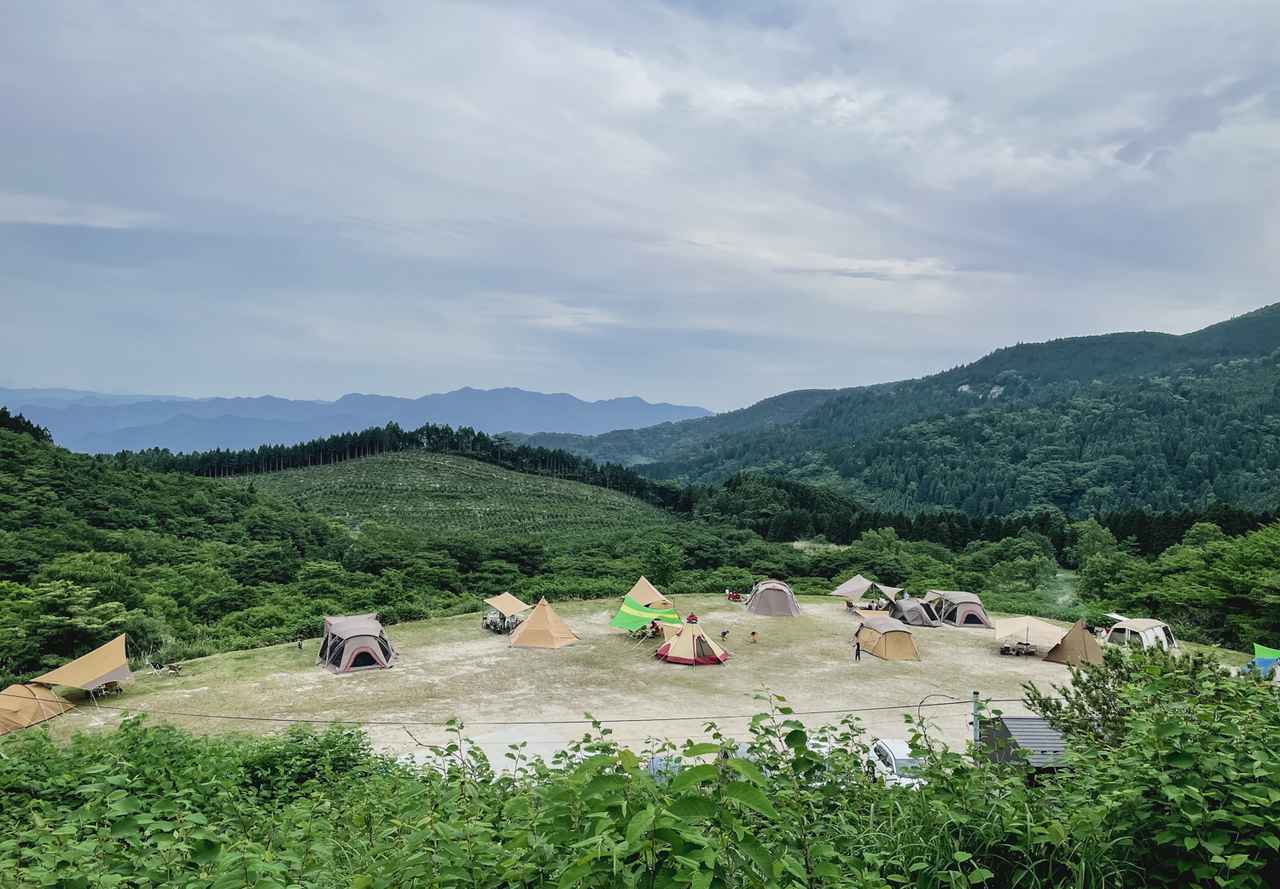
(451, 668)
(443, 494)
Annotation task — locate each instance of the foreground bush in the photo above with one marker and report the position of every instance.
(1172, 781)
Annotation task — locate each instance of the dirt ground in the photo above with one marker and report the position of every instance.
(451, 668)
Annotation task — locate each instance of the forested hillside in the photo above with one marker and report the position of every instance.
(1144, 420)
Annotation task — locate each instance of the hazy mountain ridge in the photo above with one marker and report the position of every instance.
(81, 421)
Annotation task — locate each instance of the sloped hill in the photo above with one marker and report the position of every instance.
(442, 495)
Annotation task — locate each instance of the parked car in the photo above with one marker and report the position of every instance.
(890, 760)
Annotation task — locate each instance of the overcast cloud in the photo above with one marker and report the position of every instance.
(704, 202)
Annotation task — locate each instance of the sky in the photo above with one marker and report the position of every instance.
(701, 202)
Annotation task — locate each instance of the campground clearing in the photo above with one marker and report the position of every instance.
(450, 667)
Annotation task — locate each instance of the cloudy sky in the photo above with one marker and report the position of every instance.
(704, 202)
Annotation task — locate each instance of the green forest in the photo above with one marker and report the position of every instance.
(1170, 780)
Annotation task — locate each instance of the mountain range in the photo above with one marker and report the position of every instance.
(1112, 422)
(93, 422)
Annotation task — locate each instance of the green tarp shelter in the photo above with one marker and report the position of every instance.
(634, 616)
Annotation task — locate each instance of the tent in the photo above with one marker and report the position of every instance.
(1077, 647)
(670, 631)
(959, 609)
(773, 598)
(506, 604)
(1142, 632)
(913, 612)
(647, 595)
(1030, 630)
(691, 646)
(889, 592)
(25, 705)
(1264, 660)
(543, 629)
(104, 664)
(888, 639)
(633, 616)
(854, 588)
(355, 642)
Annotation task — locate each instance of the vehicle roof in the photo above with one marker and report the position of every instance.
(1139, 623)
(897, 747)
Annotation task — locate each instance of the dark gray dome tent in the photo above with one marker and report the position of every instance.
(355, 642)
(913, 612)
(957, 608)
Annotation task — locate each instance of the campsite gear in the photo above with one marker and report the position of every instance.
(647, 595)
(733, 596)
(1142, 632)
(913, 612)
(543, 629)
(1020, 635)
(854, 588)
(724, 634)
(773, 598)
(1264, 660)
(1077, 647)
(959, 609)
(503, 615)
(691, 619)
(104, 664)
(26, 705)
(669, 631)
(888, 639)
(692, 647)
(634, 616)
(355, 642)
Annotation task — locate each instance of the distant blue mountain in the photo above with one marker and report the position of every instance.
(92, 422)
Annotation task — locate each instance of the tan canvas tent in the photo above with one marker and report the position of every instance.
(355, 642)
(773, 598)
(958, 608)
(1029, 630)
(854, 588)
(506, 604)
(888, 639)
(1077, 647)
(26, 705)
(692, 647)
(889, 592)
(1142, 632)
(647, 595)
(104, 664)
(543, 629)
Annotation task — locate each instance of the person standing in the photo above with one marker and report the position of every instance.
(857, 651)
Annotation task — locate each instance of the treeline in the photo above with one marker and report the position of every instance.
(440, 439)
(19, 423)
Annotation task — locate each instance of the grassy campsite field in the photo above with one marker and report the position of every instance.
(451, 668)
(444, 495)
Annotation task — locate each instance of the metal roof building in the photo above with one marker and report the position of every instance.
(1009, 738)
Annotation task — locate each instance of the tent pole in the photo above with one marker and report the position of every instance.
(977, 733)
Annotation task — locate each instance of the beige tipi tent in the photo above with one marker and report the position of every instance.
(1077, 647)
(691, 646)
(104, 664)
(543, 628)
(888, 639)
(24, 705)
(647, 594)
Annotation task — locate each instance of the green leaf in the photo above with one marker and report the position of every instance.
(694, 807)
(759, 856)
(701, 749)
(980, 875)
(639, 824)
(797, 739)
(123, 827)
(206, 851)
(747, 769)
(751, 797)
(362, 881)
(961, 857)
(696, 775)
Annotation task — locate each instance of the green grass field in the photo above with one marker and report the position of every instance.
(449, 495)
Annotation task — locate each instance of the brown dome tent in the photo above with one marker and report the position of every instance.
(543, 628)
(1077, 647)
(26, 705)
(913, 612)
(773, 598)
(692, 647)
(888, 639)
(355, 642)
(959, 609)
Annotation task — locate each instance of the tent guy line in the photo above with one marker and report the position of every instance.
(446, 724)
